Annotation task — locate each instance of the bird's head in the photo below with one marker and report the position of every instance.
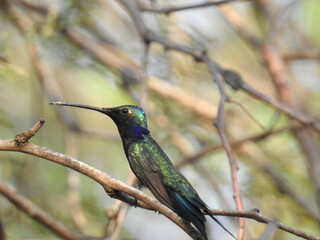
(130, 120)
(127, 115)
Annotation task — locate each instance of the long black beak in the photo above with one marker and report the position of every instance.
(102, 110)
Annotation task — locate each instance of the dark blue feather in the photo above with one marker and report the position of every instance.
(136, 131)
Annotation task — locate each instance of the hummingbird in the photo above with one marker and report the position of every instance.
(152, 166)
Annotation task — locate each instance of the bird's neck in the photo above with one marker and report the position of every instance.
(133, 132)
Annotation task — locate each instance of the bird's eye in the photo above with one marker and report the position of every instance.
(125, 110)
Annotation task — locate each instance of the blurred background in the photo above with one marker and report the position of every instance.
(89, 52)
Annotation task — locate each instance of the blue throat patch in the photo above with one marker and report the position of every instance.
(136, 131)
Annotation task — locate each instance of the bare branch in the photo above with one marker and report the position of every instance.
(24, 137)
(226, 145)
(254, 214)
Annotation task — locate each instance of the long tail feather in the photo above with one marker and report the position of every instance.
(221, 225)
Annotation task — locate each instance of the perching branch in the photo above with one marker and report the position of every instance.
(113, 187)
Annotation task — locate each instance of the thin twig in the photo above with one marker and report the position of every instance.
(246, 111)
(219, 124)
(254, 214)
(24, 137)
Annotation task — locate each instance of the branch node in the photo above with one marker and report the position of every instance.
(199, 56)
(254, 210)
(232, 78)
(23, 137)
(216, 124)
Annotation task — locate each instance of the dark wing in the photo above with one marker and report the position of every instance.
(145, 167)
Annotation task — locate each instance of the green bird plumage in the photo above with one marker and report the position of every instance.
(152, 166)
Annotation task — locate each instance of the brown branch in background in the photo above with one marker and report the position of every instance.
(239, 26)
(198, 55)
(251, 150)
(308, 54)
(199, 107)
(276, 66)
(235, 144)
(39, 215)
(117, 212)
(103, 53)
(167, 10)
(123, 208)
(49, 84)
(120, 217)
(236, 22)
(280, 77)
(299, 117)
(219, 124)
(112, 214)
